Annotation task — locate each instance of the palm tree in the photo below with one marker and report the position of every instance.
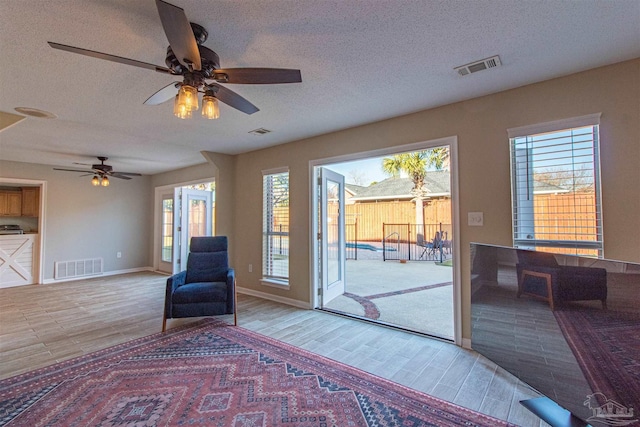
(415, 165)
(438, 157)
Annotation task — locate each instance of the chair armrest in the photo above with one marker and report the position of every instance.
(173, 283)
(538, 268)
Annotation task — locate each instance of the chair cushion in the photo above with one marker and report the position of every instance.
(208, 244)
(542, 259)
(207, 267)
(200, 292)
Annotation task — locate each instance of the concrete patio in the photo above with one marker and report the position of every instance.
(415, 295)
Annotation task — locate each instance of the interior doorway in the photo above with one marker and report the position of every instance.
(384, 237)
(184, 212)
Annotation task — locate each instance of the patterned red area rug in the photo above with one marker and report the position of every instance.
(209, 374)
(606, 345)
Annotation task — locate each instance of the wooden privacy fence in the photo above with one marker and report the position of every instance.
(566, 216)
(371, 215)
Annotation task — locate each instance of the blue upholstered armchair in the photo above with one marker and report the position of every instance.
(540, 276)
(206, 287)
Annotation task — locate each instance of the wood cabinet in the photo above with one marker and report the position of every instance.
(30, 201)
(10, 203)
(18, 258)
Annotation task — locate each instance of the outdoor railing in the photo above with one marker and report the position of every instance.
(413, 242)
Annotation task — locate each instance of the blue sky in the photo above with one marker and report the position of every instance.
(369, 170)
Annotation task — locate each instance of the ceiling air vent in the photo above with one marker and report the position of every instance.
(260, 131)
(474, 67)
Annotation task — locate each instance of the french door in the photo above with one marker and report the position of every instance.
(185, 213)
(195, 220)
(331, 238)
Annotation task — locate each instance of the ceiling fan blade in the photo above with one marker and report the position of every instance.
(108, 57)
(73, 170)
(127, 173)
(119, 175)
(179, 33)
(163, 95)
(232, 99)
(258, 75)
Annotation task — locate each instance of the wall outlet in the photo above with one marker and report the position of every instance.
(250, 268)
(118, 254)
(476, 219)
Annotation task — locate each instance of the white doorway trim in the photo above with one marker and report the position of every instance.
(452, 142)
(41, 220)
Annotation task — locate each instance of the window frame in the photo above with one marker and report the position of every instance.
(268, 276)
(591, 120)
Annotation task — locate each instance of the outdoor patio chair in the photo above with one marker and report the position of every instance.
(436, 244)
(446, 243)
(426, 246)
(206, 287)
(432, 248)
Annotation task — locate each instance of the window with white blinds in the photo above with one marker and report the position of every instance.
(275, 225)
(556, 187)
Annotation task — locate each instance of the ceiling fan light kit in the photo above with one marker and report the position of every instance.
(198, 65)
(103, 181)
(101, 173)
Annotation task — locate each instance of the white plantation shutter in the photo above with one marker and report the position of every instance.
(556, 187)
(275, 225)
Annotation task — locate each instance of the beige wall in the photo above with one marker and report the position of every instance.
(481, 127)
(83, 221)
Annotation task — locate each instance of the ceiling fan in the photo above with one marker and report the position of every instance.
(101, 172)
(199, 67)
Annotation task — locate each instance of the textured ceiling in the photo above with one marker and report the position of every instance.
(361, 61)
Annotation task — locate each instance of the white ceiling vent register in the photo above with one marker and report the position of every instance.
(260, 131)
(483, 64)
(78, 268)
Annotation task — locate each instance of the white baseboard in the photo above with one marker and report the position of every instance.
(466, 343)
(275, 298)
(106, 273)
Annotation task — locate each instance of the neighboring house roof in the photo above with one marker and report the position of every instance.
(541, 187)
(437, 184)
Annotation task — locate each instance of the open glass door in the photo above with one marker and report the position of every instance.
(182, 213)
(165, 263)
(332, 235)
(195, 219)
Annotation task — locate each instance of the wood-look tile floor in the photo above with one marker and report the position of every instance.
(44, 324)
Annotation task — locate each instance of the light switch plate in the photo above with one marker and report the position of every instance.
(476, 219)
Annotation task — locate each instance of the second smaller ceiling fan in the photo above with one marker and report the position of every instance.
(101, 172)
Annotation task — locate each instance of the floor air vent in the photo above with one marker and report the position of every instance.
(79, 268)
(474, 67)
